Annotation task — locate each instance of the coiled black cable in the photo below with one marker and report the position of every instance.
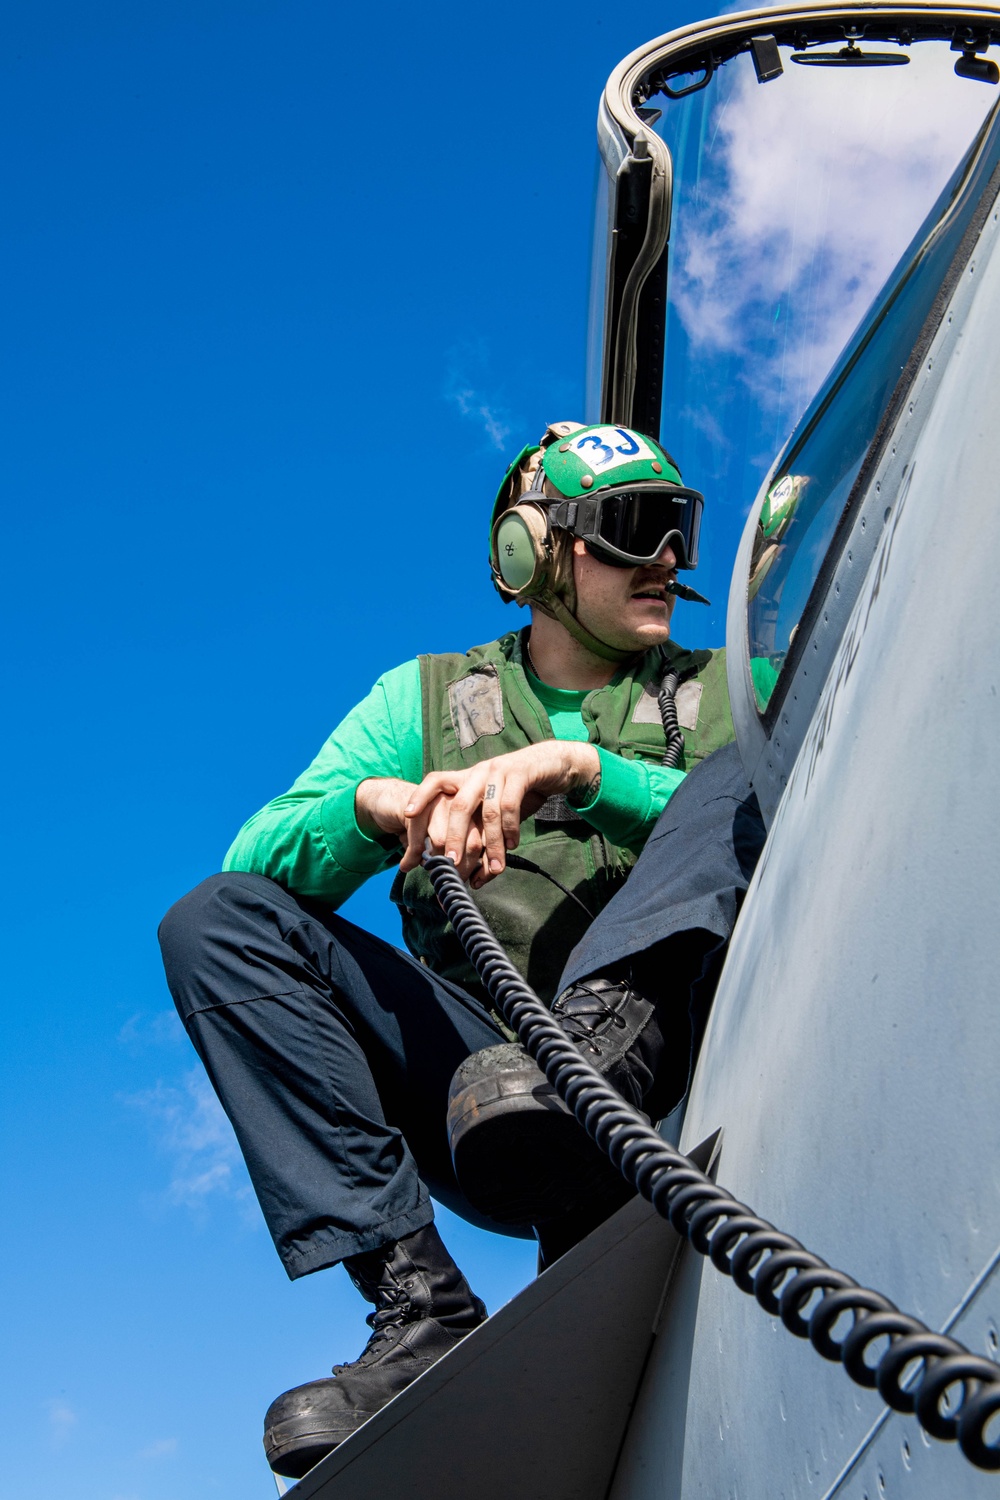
(673, 755)
(771, 1266)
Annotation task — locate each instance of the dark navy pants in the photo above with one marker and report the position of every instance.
(670, 924)
(332, 1051)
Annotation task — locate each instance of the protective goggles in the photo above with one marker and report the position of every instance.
(629, 526)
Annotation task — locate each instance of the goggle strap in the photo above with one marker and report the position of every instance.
(567, 515)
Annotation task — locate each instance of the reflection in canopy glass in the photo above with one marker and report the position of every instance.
(793, 199)
(799, 515)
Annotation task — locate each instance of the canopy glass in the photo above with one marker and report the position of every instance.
(799, 515)
(792, 201)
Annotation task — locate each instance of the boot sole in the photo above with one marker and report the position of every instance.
(520, 1156)
(295, 1446)
(306, 1423)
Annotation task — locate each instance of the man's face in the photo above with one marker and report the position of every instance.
(626, 607)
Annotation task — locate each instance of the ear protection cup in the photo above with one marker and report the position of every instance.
(522, 551)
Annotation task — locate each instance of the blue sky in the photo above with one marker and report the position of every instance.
(285, 285)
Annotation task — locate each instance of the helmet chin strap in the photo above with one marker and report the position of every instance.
(554, 606)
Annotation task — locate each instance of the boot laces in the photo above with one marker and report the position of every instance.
(395, 1312)
(584, 1013)
(396, 1308)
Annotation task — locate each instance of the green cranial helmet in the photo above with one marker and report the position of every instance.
(597, 458)
(613, 488)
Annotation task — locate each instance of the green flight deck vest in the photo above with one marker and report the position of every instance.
(480, 705)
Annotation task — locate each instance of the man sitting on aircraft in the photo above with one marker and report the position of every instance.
(333, 1053)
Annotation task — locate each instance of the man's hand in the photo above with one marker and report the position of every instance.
(379, 804)
(474, 816)
(380, 807)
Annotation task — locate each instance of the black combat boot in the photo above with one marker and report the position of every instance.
(520, 1156)
(617, 1030)
(423, 1307)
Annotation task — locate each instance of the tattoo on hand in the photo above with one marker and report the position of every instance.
(491, 792)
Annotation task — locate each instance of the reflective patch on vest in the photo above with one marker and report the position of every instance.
(688, 701)
(556, 809)
(476, 706)
(687, 698)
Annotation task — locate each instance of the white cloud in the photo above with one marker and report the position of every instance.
(194, 1131)
(62, 1420)
(463, 389)
(471, 404)
(161, 1448)
(777, 253)
(162, 1028)
(702, 419)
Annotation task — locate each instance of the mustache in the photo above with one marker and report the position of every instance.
(667, 581)
(649, 578)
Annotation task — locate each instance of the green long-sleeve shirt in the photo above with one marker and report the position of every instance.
(308, 839)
